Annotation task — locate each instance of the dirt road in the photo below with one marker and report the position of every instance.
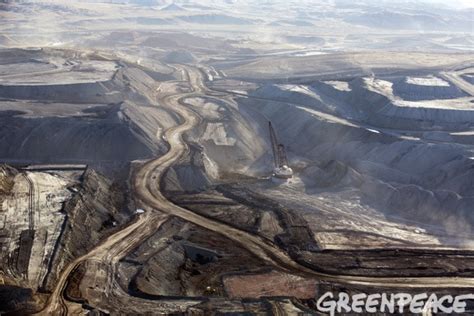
(147, 190)
(55, 304)
(455, 77)
(147, 186)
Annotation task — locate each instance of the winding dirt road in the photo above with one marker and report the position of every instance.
(55, 304)
(147, 187)
(147, 192)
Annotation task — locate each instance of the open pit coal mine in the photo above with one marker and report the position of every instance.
(132, 190)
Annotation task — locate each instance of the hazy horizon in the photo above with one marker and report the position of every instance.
(452, 3)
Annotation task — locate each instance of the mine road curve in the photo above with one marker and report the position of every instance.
(147, 192)
(55, 304)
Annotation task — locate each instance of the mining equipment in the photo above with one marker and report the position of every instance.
(281, 169)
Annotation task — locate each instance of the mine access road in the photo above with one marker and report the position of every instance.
(147, 192)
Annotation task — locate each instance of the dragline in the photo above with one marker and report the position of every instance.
(280, 160)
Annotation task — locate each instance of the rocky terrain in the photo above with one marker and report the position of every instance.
(49, 217)
(97, 108)
(137, 172)
(366, 137)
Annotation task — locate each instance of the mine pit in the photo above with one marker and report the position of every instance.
(195, 158)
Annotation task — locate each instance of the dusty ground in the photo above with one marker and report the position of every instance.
(168, 106)
(32, 222)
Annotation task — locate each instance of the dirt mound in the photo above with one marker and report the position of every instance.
(173, 8)
(382, 108)
(297, 94)
(57, 76)
(111, 120)
(97, 92)
(74, 139)
(330, 174)
(409, 90)
(179, 57)
(189, 176)
(232, 142)
(444, 209)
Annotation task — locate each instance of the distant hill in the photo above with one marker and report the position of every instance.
(173, 7)
(314, 40)
(461, 40)
(145, 2)
(216, 19)
(290, 23)
(386, 19)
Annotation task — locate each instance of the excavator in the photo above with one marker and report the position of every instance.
(281, 168)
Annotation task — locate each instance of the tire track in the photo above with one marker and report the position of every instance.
(31, 202)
